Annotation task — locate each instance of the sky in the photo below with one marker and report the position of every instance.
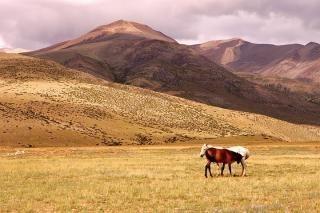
(34, 24)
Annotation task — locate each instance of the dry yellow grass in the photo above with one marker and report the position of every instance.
(281, 177)
(65, 109)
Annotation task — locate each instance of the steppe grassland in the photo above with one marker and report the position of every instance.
(65, 114)
(281, 177)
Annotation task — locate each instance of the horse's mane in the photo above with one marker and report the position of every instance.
(214, 147)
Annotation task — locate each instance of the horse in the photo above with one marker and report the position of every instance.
(225, 156)
(216, 147)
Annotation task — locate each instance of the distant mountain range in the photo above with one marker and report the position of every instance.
(292, 61)
(135, 54)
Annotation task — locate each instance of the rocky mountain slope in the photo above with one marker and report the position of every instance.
(293, 61)
(45, 104)
(131, 53)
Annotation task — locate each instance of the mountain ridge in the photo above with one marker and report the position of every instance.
(294, 61)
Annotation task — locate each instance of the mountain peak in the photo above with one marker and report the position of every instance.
(123, 22)
(130, 28)
(120, 26)
(227, 42)
(117, 30)
(312, 44)
(236, 39)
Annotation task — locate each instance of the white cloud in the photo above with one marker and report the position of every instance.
(76, 2)
(33, 24)
(2, 43)
(273, 28)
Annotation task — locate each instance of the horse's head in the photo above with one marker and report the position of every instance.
(205, 147)
(203, 150)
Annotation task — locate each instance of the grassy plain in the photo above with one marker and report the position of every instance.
(281, 177)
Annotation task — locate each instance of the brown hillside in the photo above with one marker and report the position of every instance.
(70, 108)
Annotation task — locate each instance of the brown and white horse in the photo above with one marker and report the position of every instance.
(225, 156)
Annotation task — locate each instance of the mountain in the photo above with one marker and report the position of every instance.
(302, 63)
(293, 61)
(131, 53)
(12, 50)
(121, 29)
(95, 51)
(43, 103)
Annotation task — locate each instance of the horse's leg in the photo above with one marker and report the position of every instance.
(243, 164)
(205, 170)
(210, 170)
(218, 166)
(222, 168)
(207, 167)
(229, 165)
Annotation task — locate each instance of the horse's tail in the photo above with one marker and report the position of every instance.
(247, 154)
(238, 157)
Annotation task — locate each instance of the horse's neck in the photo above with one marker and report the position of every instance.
(211, 157)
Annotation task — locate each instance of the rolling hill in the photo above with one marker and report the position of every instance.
(134, 54)
(45, 104)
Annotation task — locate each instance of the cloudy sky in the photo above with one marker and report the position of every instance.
(33, 24)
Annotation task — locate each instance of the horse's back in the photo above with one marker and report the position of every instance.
(244, 152)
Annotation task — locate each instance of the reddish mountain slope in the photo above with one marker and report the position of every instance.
(292, 61)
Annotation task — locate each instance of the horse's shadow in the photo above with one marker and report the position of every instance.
(229, 176)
